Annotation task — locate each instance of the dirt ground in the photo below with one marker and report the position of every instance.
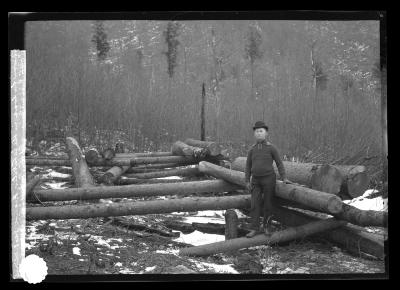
(94, 246)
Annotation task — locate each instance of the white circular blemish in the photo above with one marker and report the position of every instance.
(33, 269)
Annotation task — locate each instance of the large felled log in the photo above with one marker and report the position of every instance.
(185, 228)
(322, 201)
(321, 177)
(32, 181)
(80, 170)
(177, 188)
(167, 172)
(363, 217)
(113, 174)
(143, 160)
(118, 221)
(155, 167)
(149, 154)
(92, 155)
(128, 181)
(137, 208)
(277, 237)
(352, 238)
(47, 162)
(182, 149)
(356, 180)
(213, 148)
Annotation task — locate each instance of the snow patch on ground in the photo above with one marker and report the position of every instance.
(76, 251)
(211, 213)
(57, 174)
(168, 251)
(150, 268)
(225, 269)
(200, 219)
(197, 238)
(57, 185)
(377, 203)
(170, 177)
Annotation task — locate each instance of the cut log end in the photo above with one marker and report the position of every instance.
(327, 178)
(92, 156)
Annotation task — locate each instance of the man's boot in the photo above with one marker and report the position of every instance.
(267, 227)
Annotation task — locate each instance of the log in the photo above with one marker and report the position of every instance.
(143, 160)
(155, 167)
(182, 149)
(177, 188)
(137, 208)
(371, 218)
(128, 181)
(138, 154)
(47, 162)
(277, 237)
(214, 149)
(356, 180)
(32, 181)
(113, 174)
(185, 228)
(118, 221)
(231, 224)
(92, 155)
(217, 229)
(353, 239)
(108, 154)
(167, 172)
(80, 170)
(321, 177)
(318, 200)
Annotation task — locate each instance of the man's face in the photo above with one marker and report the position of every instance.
(260, 133)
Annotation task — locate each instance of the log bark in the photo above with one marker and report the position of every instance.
(182, 149)
(363, 217)
(113, 174)
(155, 167)
(118, 221)
(231, 224)
(108, 154)
(143, 160)
(185, 228)
(318, 200)
(321, 177)
(92, 155)
(138, 154)
(277, 237)
(47, 162)
(32, 181)
(128, 181)
(213, 148)
(356, 180)
(177, 188)
(167, 172)
(80, 170)
(353, 239)
(137, 208)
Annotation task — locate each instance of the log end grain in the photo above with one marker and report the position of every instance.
(327, 178)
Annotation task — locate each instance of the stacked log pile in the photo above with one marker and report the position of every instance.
(317, 189)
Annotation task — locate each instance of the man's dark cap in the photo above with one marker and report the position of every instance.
(260, 124)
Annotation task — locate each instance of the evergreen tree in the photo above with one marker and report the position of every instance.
(171, 34)
(100, 40)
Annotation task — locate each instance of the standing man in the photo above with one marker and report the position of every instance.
(261, 178)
